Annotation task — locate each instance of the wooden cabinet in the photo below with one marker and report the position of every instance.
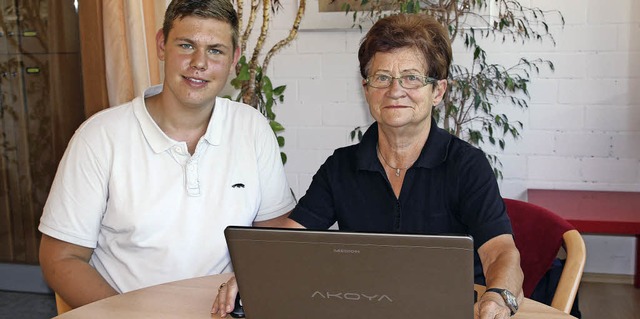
(41, 105)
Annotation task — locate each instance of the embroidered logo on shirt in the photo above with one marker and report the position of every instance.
(239, 185)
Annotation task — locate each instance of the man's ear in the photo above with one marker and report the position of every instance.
(236, 58)
(160, 44)
(439, 90)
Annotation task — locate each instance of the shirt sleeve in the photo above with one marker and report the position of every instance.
(316, 210)
(481, 206)
(78, 196)
(275, 193)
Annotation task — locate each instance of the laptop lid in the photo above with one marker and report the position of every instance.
(287, 273)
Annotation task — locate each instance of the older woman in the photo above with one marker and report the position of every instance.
(408, 175)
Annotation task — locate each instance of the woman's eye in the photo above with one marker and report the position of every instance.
(382, 78)
(411, 78)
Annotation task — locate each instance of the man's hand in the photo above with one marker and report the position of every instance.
(491, 306)
(226, 298)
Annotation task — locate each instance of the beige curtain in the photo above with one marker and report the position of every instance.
(117, 39)
(131, 64)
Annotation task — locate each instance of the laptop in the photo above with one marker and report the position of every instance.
(294, 273)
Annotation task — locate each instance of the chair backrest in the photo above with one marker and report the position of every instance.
(61, 305)
(539, 234)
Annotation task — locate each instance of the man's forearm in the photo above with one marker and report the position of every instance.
(67, 271)
(78, 283)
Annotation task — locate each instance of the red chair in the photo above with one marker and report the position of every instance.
(539, 234)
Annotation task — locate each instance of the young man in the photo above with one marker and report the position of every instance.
(145, 189)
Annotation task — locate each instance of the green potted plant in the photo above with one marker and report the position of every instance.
(468, 110)
(254, 86)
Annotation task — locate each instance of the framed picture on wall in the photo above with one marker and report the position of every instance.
(328, 14)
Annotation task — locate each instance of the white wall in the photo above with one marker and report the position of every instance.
(582, 129)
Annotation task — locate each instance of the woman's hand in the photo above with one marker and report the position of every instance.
(491, 306)
(226, 298)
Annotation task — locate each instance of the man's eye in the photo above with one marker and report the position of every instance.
(215, 51)
(186, 46)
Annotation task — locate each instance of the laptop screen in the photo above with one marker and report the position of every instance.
(287, 273)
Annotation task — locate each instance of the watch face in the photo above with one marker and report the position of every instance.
(510, 299)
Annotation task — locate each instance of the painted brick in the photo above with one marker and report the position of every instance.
(514, 167)
(303, 161)
(599, 91)
(613, 170)
(587, 38)
(583, 144)
(628, 39)
(346, 114)
(567, 65)
(614, 65)
(322, 138)
(343, 65)
(353, 38)
(299, 114)
(613, 118)
(325, 90)
(515, 189)
(290, 135)
(532, 142)
(355, 94)
(626, 145)
(322, 42)
(557, 117)
(507, 44)
(553, 168)
(613, 11)
(573, 11)
(304, 181)
(543, 91)
(297, 66)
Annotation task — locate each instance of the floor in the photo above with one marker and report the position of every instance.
(597, 301)
(610, 301)
(26, 305)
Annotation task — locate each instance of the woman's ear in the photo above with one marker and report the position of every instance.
(440, 88)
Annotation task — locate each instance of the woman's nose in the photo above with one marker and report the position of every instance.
(395, 90)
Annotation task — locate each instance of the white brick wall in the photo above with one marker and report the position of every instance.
(582, 129)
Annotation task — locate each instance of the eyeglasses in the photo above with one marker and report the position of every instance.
(409, 81)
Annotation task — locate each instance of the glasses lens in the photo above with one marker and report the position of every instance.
(409, 81)
(412, 81)
(380, 81)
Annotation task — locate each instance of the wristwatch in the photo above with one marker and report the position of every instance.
(508, 297)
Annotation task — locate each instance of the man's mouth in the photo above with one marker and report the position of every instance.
(200, 81)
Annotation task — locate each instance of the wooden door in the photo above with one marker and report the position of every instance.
(41, 106)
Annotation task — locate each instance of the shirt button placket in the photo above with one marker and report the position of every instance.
(397, 216)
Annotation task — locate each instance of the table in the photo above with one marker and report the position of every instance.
(599, 212)
(192, 299)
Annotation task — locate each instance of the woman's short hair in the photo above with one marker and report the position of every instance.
(221, 10)
(419, 31)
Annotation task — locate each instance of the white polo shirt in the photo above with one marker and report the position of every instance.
(153, 212)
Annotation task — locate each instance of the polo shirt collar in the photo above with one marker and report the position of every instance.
(434, 152)
(157, 139)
